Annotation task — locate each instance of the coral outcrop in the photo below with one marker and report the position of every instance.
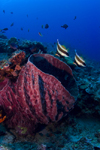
(26, 45)
(12, 40)
(10, 68)
(45, 91)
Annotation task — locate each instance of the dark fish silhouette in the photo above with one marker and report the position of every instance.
(3, 11)
(27, 15)
(22, 29)
(11, 12)
(65, 26)
(28, 30)
(74, 17)
(46, 26)
(12, 24)
(5, 29)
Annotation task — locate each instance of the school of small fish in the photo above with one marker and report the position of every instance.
(46, 26)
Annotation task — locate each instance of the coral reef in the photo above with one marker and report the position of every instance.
(10, 68)
(12, 40)
(2, 36)
(3, 45)
(45, 91)
(88, 81)
(80, 129)
(25, 45)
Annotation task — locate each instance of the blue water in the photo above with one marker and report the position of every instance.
(82, 34)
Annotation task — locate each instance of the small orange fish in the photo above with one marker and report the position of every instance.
(2, 119)
(57, 55)
(40, 34)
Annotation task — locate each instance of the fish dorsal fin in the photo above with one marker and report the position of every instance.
(62, 46)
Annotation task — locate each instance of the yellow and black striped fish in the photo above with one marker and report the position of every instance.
(61, 50)
(79, 61)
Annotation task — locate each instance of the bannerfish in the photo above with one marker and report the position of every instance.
(61, 50)
(65, 26)
(13, 46)
(40, 34)
(78, 61)
(74, 17)
(46, 26)
(4, 11)
(12, 24)
(11, 12)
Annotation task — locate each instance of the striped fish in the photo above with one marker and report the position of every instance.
(61, 50)
(79, 61)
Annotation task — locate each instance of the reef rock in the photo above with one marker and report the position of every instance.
(10, 68)
(44, 92)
